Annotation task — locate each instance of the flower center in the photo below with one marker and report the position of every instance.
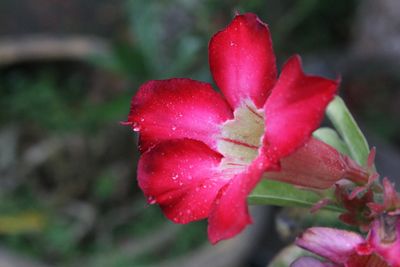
(241, 137)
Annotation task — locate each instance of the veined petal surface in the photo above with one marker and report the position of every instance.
(183, 177)
(177, 108)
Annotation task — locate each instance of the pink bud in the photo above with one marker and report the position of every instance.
(314, 165)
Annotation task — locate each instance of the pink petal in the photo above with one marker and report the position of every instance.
(335, 245)
(384, 238)
(366, 261)
(314, 165)
(311, 262)
(295, 108)
(229, 214)
(242, 60)
(177, 108)
(181, 176)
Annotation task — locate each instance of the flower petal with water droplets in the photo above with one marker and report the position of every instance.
(295, 108)
(242, 60)
(182, 176)
(177, 108)
(229, 214)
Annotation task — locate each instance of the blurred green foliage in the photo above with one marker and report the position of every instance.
(168, 41)
(53, 105)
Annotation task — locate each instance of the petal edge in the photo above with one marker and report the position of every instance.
(242, 60)
(177, 108)
(295, 107)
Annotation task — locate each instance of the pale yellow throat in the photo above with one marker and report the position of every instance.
(241, 137)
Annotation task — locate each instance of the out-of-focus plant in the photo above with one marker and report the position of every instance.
(44, 101)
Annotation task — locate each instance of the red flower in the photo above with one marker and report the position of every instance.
(203, 154)
(348, 249)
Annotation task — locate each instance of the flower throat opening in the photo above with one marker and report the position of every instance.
(241, 137)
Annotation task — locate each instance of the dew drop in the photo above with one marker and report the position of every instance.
(174, 177)
(173, 128)
(136, 128)
(151, 200)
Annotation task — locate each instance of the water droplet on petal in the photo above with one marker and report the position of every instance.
(151, 200)
(135, 126)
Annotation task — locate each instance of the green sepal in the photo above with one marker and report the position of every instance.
(332, 138)
(348, 129)
(269, 192)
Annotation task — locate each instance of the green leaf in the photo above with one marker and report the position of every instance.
(269, 192)
(332, 138)
(347, 127)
